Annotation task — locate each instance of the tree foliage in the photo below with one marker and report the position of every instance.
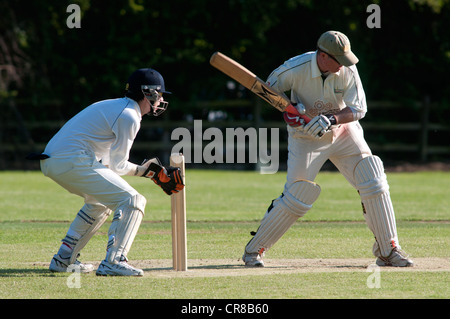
(407, 58)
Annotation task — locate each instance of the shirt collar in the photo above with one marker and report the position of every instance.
(135, 106)
(315, 71)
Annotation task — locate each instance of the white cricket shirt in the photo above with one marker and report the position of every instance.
(301, 76)
(106, 128)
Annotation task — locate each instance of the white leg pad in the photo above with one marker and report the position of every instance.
(373, 188)
(88, 220)
(293, 204)
(124, 227)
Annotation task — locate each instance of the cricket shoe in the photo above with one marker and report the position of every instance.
(59, 264)
(120, 269)
(253, 259)
(397, 258)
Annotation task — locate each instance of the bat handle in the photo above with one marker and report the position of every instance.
(291, 109)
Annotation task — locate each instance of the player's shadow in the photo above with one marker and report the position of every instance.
(206, 267)
(227, 266)
(25, 272)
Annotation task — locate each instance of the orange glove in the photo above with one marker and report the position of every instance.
(169, 179)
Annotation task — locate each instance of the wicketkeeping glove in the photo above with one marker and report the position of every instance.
(169, 179)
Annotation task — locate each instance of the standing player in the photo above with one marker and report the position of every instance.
(87, 157)
(326, 87)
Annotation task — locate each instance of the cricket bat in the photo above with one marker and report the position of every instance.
(249, 80)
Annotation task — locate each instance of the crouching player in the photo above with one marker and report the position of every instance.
(87, 157)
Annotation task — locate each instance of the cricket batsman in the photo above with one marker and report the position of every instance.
(88, 156)
(325, 86)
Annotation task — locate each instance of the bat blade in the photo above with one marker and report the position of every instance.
(249, 80)
(233, 69)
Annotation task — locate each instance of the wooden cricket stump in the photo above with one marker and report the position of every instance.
(178, 206)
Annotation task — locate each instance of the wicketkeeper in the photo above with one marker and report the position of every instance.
(325, 86)
(88, 156)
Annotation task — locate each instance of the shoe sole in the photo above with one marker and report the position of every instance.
(384, 264)
(105, 273)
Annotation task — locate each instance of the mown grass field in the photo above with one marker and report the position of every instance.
(324, 255)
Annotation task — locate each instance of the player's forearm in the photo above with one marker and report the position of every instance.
(344, 116)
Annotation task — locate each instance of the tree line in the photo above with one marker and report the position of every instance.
(44, 59)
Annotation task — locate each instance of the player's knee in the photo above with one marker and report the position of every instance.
(299, 197)
(370, 178)
(135, 202)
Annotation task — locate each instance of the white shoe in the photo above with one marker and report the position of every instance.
(397, 258)
(59, 264)
(120, 269)
(253, 260)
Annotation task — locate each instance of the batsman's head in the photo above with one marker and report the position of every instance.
(337, 45)
(147, 83)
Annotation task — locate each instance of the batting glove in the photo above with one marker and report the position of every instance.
(293, 120)
(319, 125)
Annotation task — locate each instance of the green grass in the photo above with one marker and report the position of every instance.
(223, 207)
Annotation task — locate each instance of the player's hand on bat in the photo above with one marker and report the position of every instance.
(317, 126)
(293, 119)
(169, 179)
(300, 108)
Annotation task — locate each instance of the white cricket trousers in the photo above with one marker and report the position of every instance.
(83, 175)
(344, 146)
(104, 192)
